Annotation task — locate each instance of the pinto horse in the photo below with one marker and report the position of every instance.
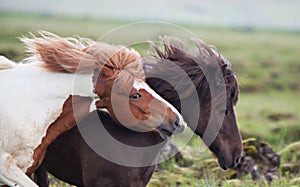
(87, 168)
(63, 80)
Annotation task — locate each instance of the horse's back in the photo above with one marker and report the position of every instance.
(72, 160)
(5, 63)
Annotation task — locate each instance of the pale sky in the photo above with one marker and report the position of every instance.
(282, 14)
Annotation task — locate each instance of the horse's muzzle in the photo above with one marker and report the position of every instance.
(167, 131)
(224, 164)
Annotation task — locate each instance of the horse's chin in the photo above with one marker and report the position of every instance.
(222, 164)
(164, 131)
(219, 158)
(165, 134)
(227, 162)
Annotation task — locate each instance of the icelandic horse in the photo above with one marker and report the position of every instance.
(60, 83)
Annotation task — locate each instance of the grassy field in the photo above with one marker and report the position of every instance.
(266, 63)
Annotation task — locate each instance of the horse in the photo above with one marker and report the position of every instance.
(61, 82)
(78, 164)
(86, 168)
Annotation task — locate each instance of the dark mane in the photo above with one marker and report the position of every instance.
(171, 52)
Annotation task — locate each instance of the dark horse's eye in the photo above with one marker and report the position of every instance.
(223, 112)
(136, 96)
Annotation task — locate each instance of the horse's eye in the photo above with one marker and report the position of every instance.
(223, 112)
(136, 96)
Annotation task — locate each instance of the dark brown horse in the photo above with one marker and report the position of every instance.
(78, 164)
(86, 168)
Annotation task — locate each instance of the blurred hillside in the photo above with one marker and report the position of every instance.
(275, 14)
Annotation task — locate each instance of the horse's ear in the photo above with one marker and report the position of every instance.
(148, 65)
(106, 71)
(224, 66)
(147, 69)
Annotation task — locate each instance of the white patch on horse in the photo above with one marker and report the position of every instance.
(93, 105)
(31, 99)
(142, 85)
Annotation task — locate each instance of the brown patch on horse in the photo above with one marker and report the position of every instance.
(63, 123)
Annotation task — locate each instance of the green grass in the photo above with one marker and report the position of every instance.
(266, 63)
(261, 113)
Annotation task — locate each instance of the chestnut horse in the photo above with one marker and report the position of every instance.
(62, 81)
(79, 165)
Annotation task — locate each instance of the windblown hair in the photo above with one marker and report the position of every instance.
(81, 55)
(125, 63)
(174, 53)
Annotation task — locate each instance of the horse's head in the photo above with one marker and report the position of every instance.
(216, 122)
(227, 143)
(119, 82)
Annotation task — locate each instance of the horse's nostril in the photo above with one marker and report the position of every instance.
(237, 160)
(177, 123)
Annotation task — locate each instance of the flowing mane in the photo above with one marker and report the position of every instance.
(81, 55)
(192, 62)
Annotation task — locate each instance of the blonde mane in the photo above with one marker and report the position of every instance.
(81, 55)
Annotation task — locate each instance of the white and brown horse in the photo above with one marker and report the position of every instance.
(41, 91)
